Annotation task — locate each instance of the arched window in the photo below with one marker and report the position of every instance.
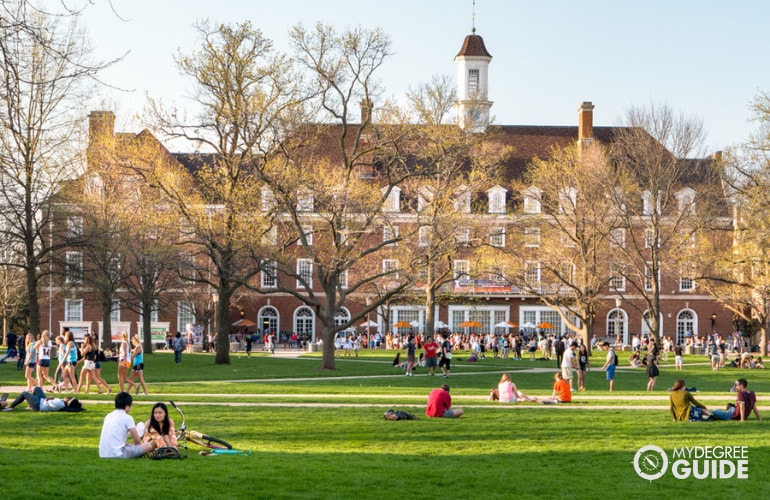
(617, 322)
(342, 317)
(304, 322)
(686, 325)
(267, 319)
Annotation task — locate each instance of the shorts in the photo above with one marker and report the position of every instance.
(611, 372)
(89, 365)
(139, 367)
(32, 364)
(566, 373)
(132, 451)
(448, 413)
(98, 365)
(44, 363)
(431, 362)
(678, 360)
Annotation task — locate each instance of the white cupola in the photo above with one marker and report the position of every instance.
(472, 105)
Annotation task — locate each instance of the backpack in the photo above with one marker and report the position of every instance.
(165, 452)
(616, 358)
(398, 415)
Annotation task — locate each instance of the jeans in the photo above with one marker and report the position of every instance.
(177, 356)
(33, 398)
(723, 414)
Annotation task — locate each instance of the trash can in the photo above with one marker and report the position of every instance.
(688, 350)
(234, 346)
(312, 347)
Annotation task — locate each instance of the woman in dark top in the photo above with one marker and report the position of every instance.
(652, 365)
(582, 366)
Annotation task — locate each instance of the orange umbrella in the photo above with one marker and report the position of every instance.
(470, 324)
(511, 324)
(545, 325)
(403, 324)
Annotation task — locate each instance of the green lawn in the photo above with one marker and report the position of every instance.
(341, 447)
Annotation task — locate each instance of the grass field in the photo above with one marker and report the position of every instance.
(317, 434)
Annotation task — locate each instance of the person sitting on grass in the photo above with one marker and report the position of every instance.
(745, 404)
(118, 426)
(38, 401)
(509, 393)
(159, 428)
(683, 405)
(440, 404)
(561, 391)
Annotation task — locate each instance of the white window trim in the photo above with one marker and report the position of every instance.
(308, 264)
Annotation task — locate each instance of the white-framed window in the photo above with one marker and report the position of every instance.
(73, 309)
(270, 237)
(393, 202)
(532, 273)
(186, 265)
(423, 236)
(390, 267)
(649, 238)
(390, 234)
(185, 315)
(618, 237)
(568, 200)
(532, 196)
(305, 201)
(307, 231)
(74, 226)
(685, 200)
(344, 279)
(497, 237)
(686, 279)
(153, 313)
(304, 273)
(473, 81)
(463, 200)
(650, 205)
(617, 279)
(462, 270)
(74, 268)
(496, 200)
(531, 237)
(463, 235)
(269, 274)
(268, 200)
(648, 276)
(115, 311)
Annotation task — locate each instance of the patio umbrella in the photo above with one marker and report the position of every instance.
(504, 324)
(528, 324)
(470, 324)
(440, 324)
(512, 324)
(545, 325)
(244, 322)
(369, 324)
(403, 324)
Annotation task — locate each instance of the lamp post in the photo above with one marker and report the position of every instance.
(617, 318)
(713, 321)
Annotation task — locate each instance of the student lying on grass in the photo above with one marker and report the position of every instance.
(38, 401)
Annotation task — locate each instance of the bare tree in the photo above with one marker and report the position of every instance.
(45, 77)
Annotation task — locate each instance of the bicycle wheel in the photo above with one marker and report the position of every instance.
(207, 441)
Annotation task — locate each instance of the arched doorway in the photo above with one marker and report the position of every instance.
(304, 323)
(617, 326)
(267, 320)
(686, 325)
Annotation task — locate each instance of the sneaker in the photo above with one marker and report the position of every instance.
(445, 376)
(7, 409)
(4, 397)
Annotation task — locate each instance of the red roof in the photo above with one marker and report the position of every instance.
(474, 46)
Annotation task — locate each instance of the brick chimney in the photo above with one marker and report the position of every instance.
(101, 137)
(366, 110)
(585, 122)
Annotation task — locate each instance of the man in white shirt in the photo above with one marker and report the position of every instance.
(568, 363)
(118, 426)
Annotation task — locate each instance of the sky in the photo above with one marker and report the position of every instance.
(705, 59)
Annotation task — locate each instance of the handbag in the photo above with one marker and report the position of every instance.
(448, 355)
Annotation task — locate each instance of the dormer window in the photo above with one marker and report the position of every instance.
(497, 200)
(463, 200)
(304, 200)
(424, 198)
(393, 202)
(685, 200)
(532, 196)
(568, 200)
(648, 202)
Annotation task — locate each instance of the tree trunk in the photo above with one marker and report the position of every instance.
(146, 325)
(32, 301)
(430, 311)
(106, 324)
(329, 330)
(223, 325)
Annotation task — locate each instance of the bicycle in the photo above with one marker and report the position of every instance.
(183, 435)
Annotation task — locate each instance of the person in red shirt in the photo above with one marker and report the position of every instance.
(440, 404)
(561, 391)
(431, 360)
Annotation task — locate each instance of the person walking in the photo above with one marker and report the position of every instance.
(44, 347)
(583, 362)
(178, 344)
(137, 363)
(652, 365)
